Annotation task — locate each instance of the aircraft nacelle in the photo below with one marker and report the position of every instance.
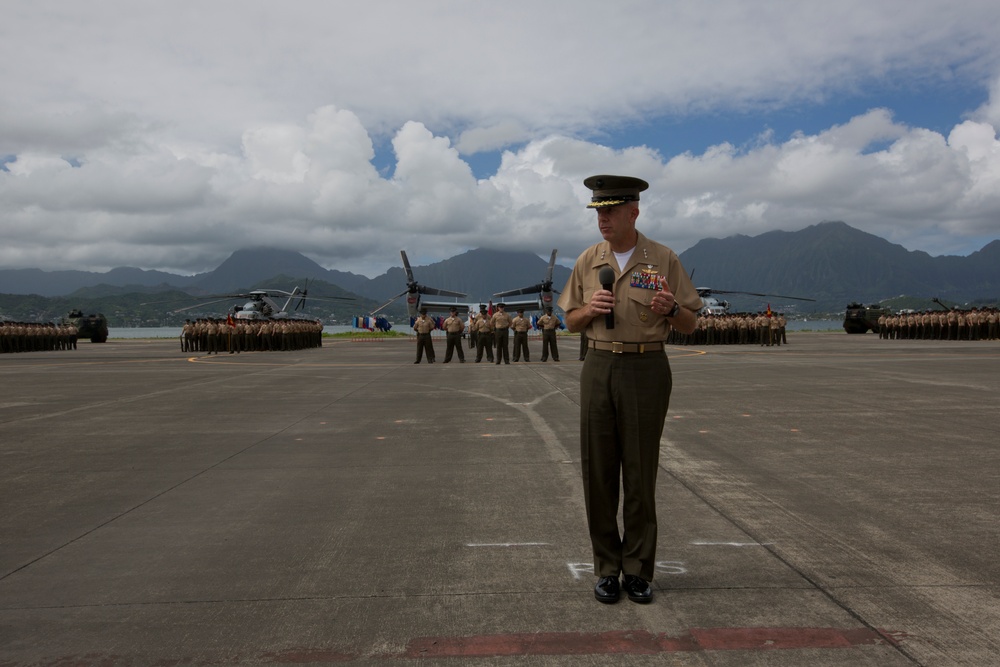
(542, 292)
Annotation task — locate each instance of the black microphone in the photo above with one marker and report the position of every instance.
(607, 277)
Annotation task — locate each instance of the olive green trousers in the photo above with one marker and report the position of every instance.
(623, 405)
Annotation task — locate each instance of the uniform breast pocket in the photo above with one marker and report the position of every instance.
(640, 310)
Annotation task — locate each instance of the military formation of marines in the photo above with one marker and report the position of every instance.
(735, 329)
(972, 324)
(36, 337)
(487, 332)
(215, 336)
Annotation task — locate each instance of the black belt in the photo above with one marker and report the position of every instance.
(630, 348)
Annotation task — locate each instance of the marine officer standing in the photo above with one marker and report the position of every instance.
(500, 324)
(625, 383)
(424, 326)
(484, 336)
(454, 326)
(548, 323)
(520, 325)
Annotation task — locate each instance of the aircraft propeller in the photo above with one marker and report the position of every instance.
(415, 290)
(413, 287)
(544, 286)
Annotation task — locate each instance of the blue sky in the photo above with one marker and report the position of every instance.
(132, 135)
(939, 108)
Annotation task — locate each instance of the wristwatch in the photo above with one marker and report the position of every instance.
(674, 310)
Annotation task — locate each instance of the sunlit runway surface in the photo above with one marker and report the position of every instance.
(834, 501)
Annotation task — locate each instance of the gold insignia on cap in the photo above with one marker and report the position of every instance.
(614, 190)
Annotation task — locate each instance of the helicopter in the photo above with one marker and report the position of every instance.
(261, 304)
(414, 292)
(542, 290)
(713, 306)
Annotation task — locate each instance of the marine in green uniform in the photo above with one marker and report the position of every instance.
(625, 382)
(424, 326)
(548, 323)
(500, 324)
(520, 324)
(454, 328)
(484, 336)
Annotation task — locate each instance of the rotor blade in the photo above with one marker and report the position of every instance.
(441, 292)
(406, 267)
(216, 297)
(552, 265)
(387, 302)
(329, 298)
(785, 296)
(204, 303)
(173, 300)
(777, 296)
(534, 289)
(302, 300)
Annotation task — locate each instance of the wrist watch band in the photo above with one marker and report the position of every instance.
(674, 310)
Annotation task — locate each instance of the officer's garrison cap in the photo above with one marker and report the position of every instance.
(614, 190)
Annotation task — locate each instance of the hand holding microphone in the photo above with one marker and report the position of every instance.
(607, 277)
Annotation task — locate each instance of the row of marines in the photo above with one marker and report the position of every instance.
(36, 337)
(214, 336)
(487, 331)
(735, 329)
(973, 324)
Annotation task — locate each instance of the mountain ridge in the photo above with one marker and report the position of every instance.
(830, 262)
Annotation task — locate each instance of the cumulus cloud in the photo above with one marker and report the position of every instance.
(137, 136)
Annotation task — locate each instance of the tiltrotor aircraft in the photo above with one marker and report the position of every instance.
(543, 292)
(415, 292)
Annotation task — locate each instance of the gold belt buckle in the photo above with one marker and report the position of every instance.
(617, 348)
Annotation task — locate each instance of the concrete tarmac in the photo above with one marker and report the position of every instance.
(829, 502)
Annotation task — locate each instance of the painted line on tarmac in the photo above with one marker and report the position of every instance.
(732, 544)
(614, 642)
(641, 642)
(508, 544)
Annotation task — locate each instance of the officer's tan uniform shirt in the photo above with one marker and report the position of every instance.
(520, 324)
(635, 322)
(500, 320)
(423, 325)
(548, 322)
(454, 324)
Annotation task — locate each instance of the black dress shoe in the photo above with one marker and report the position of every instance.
(638, 589)
(607, 590)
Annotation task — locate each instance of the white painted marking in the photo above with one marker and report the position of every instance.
(508, 544)
(670, 567)
(578, 570)
(731, 544)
